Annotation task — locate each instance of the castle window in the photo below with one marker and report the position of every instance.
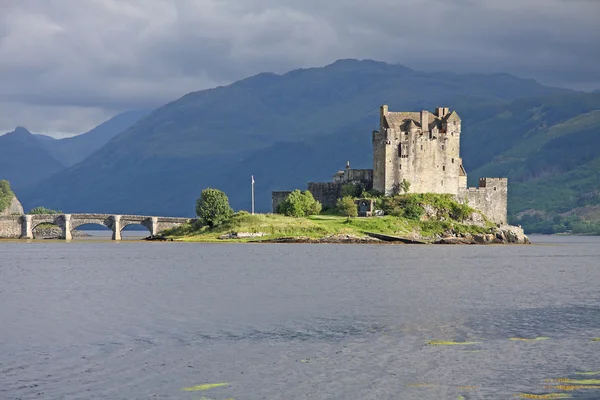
(442, 183)
(453, 161)
(421, 147)
(494, 187)
(443, 147)
(443, 168)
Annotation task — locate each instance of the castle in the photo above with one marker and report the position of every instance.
(420, 150)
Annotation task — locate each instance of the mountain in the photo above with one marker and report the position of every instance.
(549, 148)
(285, 129)
(24, 160)
(74, 149)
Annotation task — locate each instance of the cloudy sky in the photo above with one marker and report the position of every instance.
(67, 65)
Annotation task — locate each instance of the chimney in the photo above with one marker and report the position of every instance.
(439, 112)
(446, 111)
(383, 110)
(425, 121)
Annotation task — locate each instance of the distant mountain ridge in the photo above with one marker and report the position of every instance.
(26, 158)
(285, 129)
(75, 149)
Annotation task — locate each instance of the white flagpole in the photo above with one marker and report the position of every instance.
(252, 194)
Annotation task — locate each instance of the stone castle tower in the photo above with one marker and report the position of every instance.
(421, 148)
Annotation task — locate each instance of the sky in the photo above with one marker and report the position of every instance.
(68, 65)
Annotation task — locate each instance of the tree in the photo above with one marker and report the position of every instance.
(347, 207)
(350, 189)
(405, 185)
(299, 204)
(213, 207)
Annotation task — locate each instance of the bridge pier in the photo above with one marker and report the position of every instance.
(27, 227)
(116, 226)
(67, 227)
(154, 226)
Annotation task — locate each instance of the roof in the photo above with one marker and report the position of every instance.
(398, 119)
(462, 171)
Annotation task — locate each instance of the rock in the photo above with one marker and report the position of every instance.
(159, 238)
(475, 218)
(512, 234)
(241, 235)
(14, 208)
(455, 240)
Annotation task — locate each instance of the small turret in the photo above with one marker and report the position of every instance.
(383, 110)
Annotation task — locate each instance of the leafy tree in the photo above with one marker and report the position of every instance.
(405, 185)
(347, 207)
(300, 204)
(349, 189)
(44, 210)
(213, 207)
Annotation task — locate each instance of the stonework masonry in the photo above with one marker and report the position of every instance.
(423, 149)
(23, 226)
(491, 198)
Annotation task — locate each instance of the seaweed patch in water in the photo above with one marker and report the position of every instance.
(570, 388)
(205, 386)
(528, 339)
(447, 343)
(544, 396)
(421, 385)
(588, 373)
(575, 381)
(596, 339)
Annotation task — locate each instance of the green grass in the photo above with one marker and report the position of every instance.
(317, 226)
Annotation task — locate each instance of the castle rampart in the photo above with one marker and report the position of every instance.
(491, 198)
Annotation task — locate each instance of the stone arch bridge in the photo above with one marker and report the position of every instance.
(23, 226)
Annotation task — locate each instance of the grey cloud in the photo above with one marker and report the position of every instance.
(112, 55)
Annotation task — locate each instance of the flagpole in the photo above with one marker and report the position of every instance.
(252, 194)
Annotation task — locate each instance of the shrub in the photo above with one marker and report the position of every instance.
(213, 207)
(43, 210)
(6, 195)
(299, 204)
(347, 207)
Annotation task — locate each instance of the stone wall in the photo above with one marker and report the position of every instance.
(277, 198)
(326, 193)
(10, 226)
(491, 198)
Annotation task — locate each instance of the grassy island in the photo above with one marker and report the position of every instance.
(419, 217)
(275, 226)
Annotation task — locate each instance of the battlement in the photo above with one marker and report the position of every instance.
(491, 198)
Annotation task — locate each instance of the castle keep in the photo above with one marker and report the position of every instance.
(420, 148)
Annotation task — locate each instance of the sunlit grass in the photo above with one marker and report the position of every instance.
(317, 226)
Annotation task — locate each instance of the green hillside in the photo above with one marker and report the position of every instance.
(285, 129)
(553, 167)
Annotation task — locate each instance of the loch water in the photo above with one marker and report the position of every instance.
(95, 319)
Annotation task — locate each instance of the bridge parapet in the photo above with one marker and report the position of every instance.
(24, 225)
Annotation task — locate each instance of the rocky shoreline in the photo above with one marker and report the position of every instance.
(506, 234)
